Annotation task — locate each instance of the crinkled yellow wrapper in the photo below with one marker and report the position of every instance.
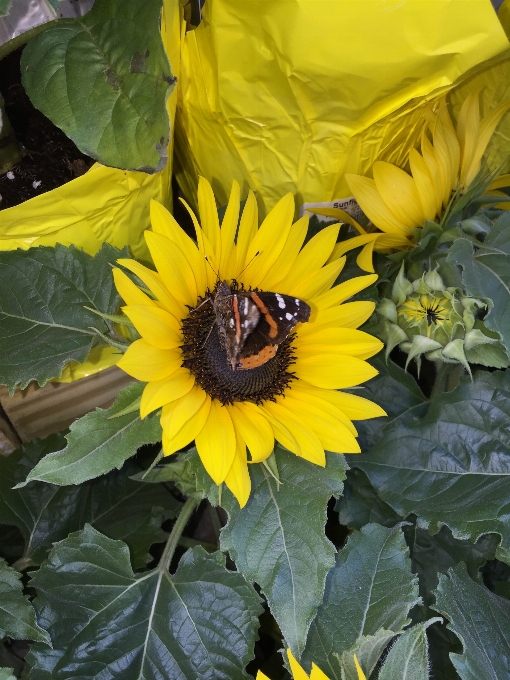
(105, 204)
(290, 96)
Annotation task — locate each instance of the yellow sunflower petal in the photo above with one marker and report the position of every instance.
(317, 674)
(354, 407)
(348, 315)
(427, 152)
(443, 163)
(333, 371)
(173, 267)
(398, 190)
(424, 184)
(346, 341)
(308, 445)
(228, 233)
(374, 207)
(309, 261)
(205, 249)
(248, 226)
(318, 282)
(183, 419)
(343, 291)
(297, 672)
(445, 126)
(238, 478)
(361, 675)
(157, 326)
(365, 259)
(268, 242)
(341, 216)
(261, 676)
(209, 215)
(332, 434)
(154, 283)
(130, 292)
(318, 396)
(351, 243)
(468, 124)
(216, 443)
(161, 392)
(164, 223)
(487, 127)
(145, 362)
(288, 255)
(252, 426)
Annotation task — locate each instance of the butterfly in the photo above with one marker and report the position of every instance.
(252, 324)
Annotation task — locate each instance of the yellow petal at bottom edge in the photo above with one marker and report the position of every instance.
(161, 392)
(252, 427)
(307, 444)
(183, 420)
(238, 478)
(216, 443)
(361, 675)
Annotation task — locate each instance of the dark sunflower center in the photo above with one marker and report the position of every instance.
(207, 360)
(433, 314)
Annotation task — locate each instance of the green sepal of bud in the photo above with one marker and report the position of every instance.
(421, 345)
(388, 309)
(454, 353)
(395, 335)
(475, 337)
(434, 281)
(401, 288)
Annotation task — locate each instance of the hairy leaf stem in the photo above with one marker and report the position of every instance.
(175, 535)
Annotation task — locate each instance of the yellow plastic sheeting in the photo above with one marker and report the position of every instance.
(291, 95)
(105, 204)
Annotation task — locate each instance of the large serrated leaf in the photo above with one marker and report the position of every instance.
(45, 513)
(481, 620)
(98, 442)
(43, 321)
(453, 466)
(486, 274)
(360, 504)
(104, 79)
(371, 587)
(17, 616)
(278, 541)
(197, 624)
(408, 658)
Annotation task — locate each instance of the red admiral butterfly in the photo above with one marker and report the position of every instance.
(252, 324)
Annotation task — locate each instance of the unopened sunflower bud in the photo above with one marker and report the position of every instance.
(425, 318)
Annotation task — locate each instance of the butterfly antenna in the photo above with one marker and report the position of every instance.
(246, 267)
(213, 269)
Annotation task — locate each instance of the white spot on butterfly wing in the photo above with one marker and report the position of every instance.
(289, 317)
(281, 301)
(298, 302)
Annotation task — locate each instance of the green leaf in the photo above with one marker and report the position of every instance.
(96, 444)
(370, 588)
(45, 513)
(44, 325)
(7, 674)
(481, 620)
(197, 624)
(104, 79)
(360, 504)
(368, 649)
(17, 616)
(278, 541)
(408, 658)
(453, 465)
(4, 7)
(486, 274)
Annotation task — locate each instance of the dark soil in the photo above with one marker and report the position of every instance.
(50, 158)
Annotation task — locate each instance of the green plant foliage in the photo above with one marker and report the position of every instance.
(44, 325)
(278, 541)
(408, 658)
(453, 465)
(45, 513)
(197, 624)
(486, 270)
(360, 504)
(369, 592)
(98, 442)
(17, 616)
(481, 620)
(104, 79)
(4, 7)
(7, 674)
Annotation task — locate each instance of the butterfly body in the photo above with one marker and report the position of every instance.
(252, 324)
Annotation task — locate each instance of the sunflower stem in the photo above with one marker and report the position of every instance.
(175, 536)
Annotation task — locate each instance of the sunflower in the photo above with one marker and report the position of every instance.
(293, 397)
(299, 674)
(397, 202)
